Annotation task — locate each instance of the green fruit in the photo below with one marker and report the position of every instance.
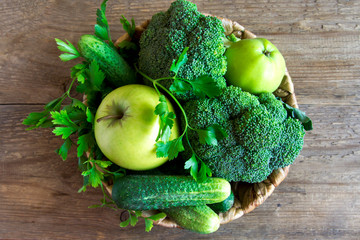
(223, 206)
(145, 192)
(255, 65)
(116, 69)
(126, 127)
(200, 219)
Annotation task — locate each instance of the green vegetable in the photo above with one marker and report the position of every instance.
(300, 115)
(74, 121)
(223, 206)
(116, 69)
(169, 33)
(200, 219)
(149, 221)
(290, 144)
(261, 136)
(145, 192)
(101, 28)
(255, 65)
(204, 86)
(70, 51)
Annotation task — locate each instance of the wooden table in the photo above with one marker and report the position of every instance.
(318, 200)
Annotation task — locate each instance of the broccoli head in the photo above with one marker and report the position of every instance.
(260, 136)
(170, 32)
(257, 129)
(290, 145)
(274, 106)
(257, 164)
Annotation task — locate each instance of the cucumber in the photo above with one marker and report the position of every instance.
(224, 205)
(148, 192)
(116, 69)
(200, 219)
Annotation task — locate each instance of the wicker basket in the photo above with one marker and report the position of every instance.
(247, 196)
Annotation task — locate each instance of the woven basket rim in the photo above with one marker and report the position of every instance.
(246, 200)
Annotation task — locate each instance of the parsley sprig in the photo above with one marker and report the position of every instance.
(149, 221)
(74, 122)
(202, 87)
(101, 28)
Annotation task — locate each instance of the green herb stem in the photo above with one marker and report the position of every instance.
(178, 103)
(155, 82)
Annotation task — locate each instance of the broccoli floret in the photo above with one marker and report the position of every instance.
(291, 143)
(227, 165)
(274, 106)
(202, 109)
(257, 129)
(236, 101)
(257, 165)
(167, 35)
(260, 136)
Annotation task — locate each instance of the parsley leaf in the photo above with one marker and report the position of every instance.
(125, 223)
(177, 63)
(95, 176)
(78, 71)
(148, 224)
(101, 28)
(166, 119)
(36, 119)
(89, 116)
(83, 166)
(129, 28)
(192, 164)
(78, 104)
(103, 164)
(64, 149)
(65, 132)
(42, 119)
(298, 114)
(134, 219)
(96, 76)
(199, 173)
(169, 149)
(211, 135)
(85, 142)
(180, 87)
(54, 104)
(70, 50)
(149, 221)
(205, 86)
(62, 118)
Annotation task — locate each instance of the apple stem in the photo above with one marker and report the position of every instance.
(267, 53)
(120, 116)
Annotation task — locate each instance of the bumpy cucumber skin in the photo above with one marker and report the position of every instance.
(142, 192)
(200, 219)
(116, 69)
(223, 206)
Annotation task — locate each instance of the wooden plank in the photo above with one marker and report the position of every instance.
(30, 63)
(39, 196)
(319, 198)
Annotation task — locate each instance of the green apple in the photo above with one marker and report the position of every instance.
(126, 127)
(255, 65)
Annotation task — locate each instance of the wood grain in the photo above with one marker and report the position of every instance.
(319, 198)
